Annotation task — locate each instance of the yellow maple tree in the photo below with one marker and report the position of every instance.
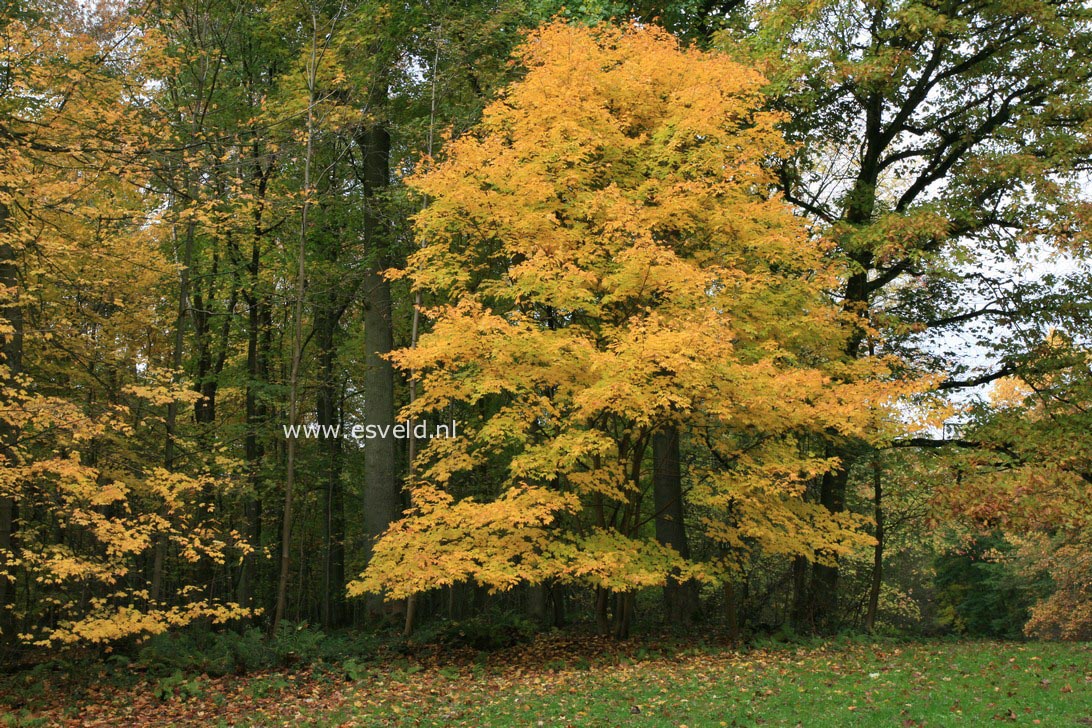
(606, 259)
(82, 377)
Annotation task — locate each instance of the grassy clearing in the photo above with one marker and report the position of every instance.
(568, 684)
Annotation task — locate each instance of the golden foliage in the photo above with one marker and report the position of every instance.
(608, 259)
(81, 418)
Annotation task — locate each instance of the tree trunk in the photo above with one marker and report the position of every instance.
(731, 610)
(257, 369)
(823, 589)
(822, 594)
(259, 342)
(297, 334)
(382, 497)
(557, 603)
(680, 599)
(602, 622)
(623, 614)
(252, 446)
(411, 601)
(333, 523)
(160, 553)
(11, 349)
(877, 554)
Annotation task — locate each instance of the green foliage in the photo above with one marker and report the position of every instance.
(203, 651)
(354, 670)
(770, 638)
(981, 592)
(177, 684)
(294, 643)
(197, 650)
(492, 630)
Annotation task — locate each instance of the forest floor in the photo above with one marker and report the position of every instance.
(567, 681)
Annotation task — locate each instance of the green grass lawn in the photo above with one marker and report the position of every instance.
(839, 684)
(937, 684)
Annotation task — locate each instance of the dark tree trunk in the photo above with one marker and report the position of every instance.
(823, 589)
(296, 362)
(623, 614)
(536, 602)
(557, 601)
(257, 366)
(11, 350)
(822, 597)
(328, 408)
(169, 446)
(731, 610)
(602, 621)
(212, 347)
(680, 599)
(877, 554)
(257, 369)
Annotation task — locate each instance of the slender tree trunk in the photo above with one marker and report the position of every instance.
(536, 602)
(877, 554)
(248, 575)
(252, 448)
(411, 616)
(333, 523)
(7, 576)
(11, 350)
(257, 414)
(211, 355)
(557, 598)
(411, 601)
(297, 333)
(680, 599)
(204, 381)
(257, 369)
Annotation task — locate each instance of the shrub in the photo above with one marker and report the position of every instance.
(493, 630)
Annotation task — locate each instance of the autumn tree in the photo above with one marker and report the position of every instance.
(85, 495)
(605, 261)
(938, 144)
